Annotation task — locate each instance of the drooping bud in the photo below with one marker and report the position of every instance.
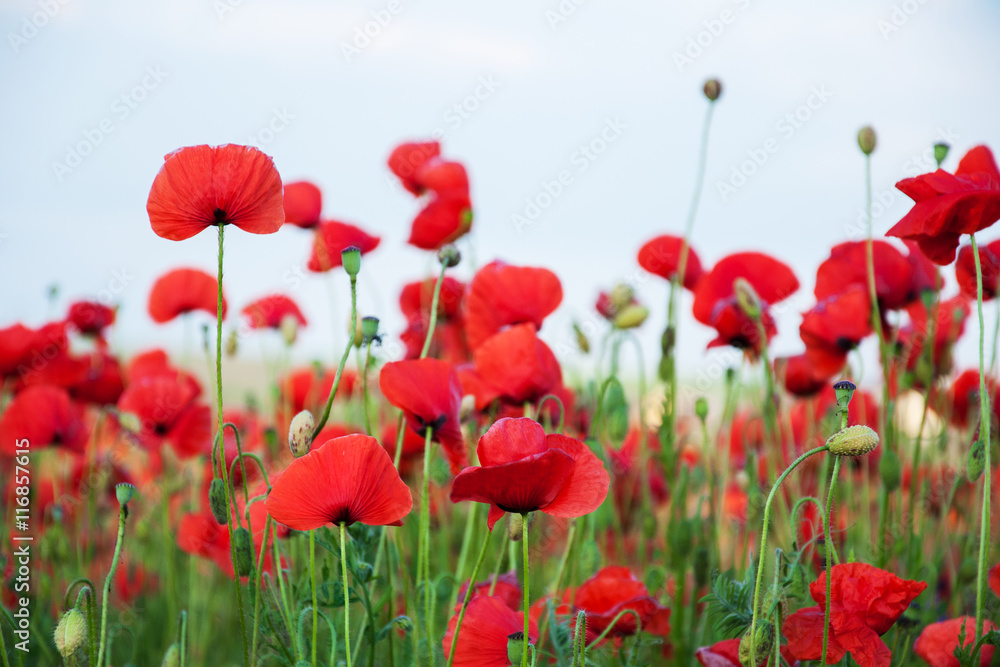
(289, 328)
(172, 658)
(582, 341)
(844, 391)
(244, 551)
(701, 408)
(746, 298)
(866, 140)
(449, 255)
(124, 493)
(300, 433)
(516, 646)
(941, 152)
(217, 501)
(890, 470)
(975, 462)
(515, 526)
(351, 259)
(232, 343)
(712, 89)
(853, 441)
(762, 643)
(71, 632)
(631, 316)
(369, 328)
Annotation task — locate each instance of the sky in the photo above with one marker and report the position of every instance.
(96, 93)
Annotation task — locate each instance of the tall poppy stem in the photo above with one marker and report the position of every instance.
(343, 359)
(469, 592)
(423, 560)
(434, 311)
(828, 546)
(527, 606)
(312, 580)
(347, 599)
(984, 437)
(122, 515)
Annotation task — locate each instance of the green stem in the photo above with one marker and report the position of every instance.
(343, 359)
(312, 578)
(984, 437)
(364, 390)
(524, 554)
(434, 311)
(469, 592)
(347, 600)
(122, 514)
(828, 544)
(423, 568)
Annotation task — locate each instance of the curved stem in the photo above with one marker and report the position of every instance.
(469, 592)
(527, 607)
(828, 545)
(347, 599)
(122, 514)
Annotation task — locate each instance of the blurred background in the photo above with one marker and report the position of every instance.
(97, 92)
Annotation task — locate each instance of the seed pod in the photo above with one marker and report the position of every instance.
(516, 647)
(853, 441)
(300, 433)
(244, 551)
(217, 501)
(369, 328)
(701, 408)
(351, 259)
(71, 632)
(867, 140)
(449, 255)
(712, 89)
(844, 391)
(975, 462)
(124, 493)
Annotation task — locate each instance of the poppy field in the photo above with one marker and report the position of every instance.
(473, 500)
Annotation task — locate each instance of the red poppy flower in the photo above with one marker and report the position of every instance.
(306, 388)
(430, 395)
(182, 291)
(926, 275)
(727, 654)
(508, 589)
(662, 256)
(949, 205)
(865, 602)
(445, 219)
(155, 363)
(487, 624)
(332, 237)
(200, 534)
(989, 262)
(524, 470)
(614, 589)
(131, 581)
(834, 327)
(90, 318)
(25, 351)
(937, 643)
(407, 159)
(346, 480)
(268, 312)
(103, 382)
(42, 415)
(302, 203)
(848, 265)
(515, 365)
(168, 413)
(502, 295)
(799, 376)
(715, 301)
(964, 398)
(202, 186)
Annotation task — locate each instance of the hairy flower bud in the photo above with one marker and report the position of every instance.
(130, 422)
(71, 632)
(515, 526)
(867, 140)
(244, 551)
(217, 501)
(853, 441)
(762, 642)
(289, 328)
(300, 433)
(172, 658)
(712, 89)
(631, 316)
(351, 259)
(746, 298)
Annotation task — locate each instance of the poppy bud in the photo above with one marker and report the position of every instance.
(631, 316)
(289, 328)
(300, 433)
(844, 391)
(369, 328)
(621, 296)
(244, 551)
(232, 343)
(779, 601)
(351, 259)
(746, 298)
(941, 152)
(71, 632)
(866, 140)
(701, 408)
(975, 462)
(124, 493)
(515, 524)
(581, 339)
(130, 422)
(762, 642)
(449, 255)
(712, 89)
(667, 341)
(467, 407)
(853, 441)
(890, 470)
(516, 646)
(172, 658)
(217, 501)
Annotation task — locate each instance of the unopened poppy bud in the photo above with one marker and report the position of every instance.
(449, 255)
(844, 390)
(130, 422)
(351, 259)
(232, 343)
(712, 89)
(776, 602)
(853, 441)
(217, 501)
(975, 462)
(300, 433)
(746, 298)
(941, 152)
(701, 408)
(71, 632)
(516, 646)
(172, 658)
(762, 642)
(369, 328)
(866, 140)
(467, 407)
(244, 551)
(631, 316)
(124, 493)
(515, 524)
(621, 296)
(289, 328)
(582, 341)
(890, 470)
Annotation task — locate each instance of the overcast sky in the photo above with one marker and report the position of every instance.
(514, 90)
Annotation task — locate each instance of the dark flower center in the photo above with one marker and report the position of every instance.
(220, 215)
